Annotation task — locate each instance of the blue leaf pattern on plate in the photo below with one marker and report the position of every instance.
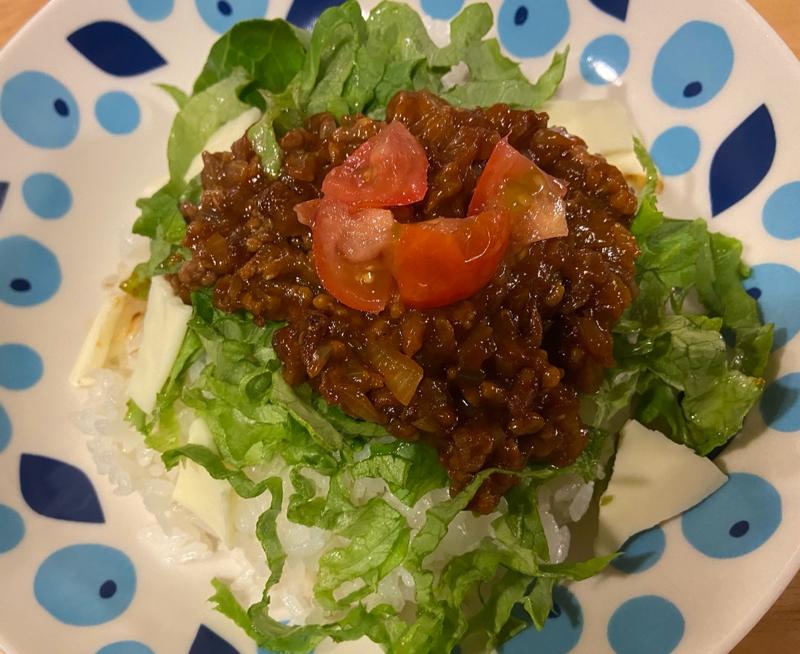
(221, 15)
(21, 367)
(304, 13)
(40, 110)
(735, 520)
(616, 8)
(29, 273)
(3, 193)
(126, 647)
(207, 641)
(693, 65)
(85, 585)
(561, 632)
(115, 48)
(58, 490)
(742, 161)
(648, 623)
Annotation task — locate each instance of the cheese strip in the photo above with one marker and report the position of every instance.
(165, 321)
(653, 480)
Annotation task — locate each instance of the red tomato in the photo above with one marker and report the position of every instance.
(388, 170)
(533, 199)
(306, 211)
(348, 249)
(441, 261)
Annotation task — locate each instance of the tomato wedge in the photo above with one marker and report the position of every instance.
(533, 199)
(306, 212)
(441, 261)
(348, 249)
(388, 170)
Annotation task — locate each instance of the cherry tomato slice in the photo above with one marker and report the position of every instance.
(348, 249)
(533, 199)
(306, 212)
(441, 261)
(388, 170)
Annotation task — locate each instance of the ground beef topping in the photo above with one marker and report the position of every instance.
(503, 368)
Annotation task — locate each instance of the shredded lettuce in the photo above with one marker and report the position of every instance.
(228, 374)
(202, 115)
(691, 349)
(690, 352)
(270, 52)
(355, 65)
(450, 605)
(160, 218)
(178, 95)
(347, 64)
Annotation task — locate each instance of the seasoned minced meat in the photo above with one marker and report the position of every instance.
(502, 369)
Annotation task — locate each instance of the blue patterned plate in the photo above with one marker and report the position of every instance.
(83, 131)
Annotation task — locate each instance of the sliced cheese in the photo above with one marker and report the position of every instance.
(628, 164)
(607, 129)
(98, 341)
(604, 124)
(221, 140)
(653, 480)
(165, 321)
(208, 498)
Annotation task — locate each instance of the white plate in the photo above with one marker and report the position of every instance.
(74, 160)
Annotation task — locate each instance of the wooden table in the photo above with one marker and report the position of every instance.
(779, 630)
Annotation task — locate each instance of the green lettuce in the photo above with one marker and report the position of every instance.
(202, 115)
(380, 541)
(161, 221)
(346, 64)
(355, 65)
(228, 373)
(691, 350)
(270, 52)
(160, 218)
(178, 95)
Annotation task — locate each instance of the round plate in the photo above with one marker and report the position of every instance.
(83, 134)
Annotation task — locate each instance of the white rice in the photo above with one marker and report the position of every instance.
(179, 536)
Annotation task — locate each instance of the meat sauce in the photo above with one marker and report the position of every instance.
(503, 368)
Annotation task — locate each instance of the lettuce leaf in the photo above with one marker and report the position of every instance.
(269, 51)
(178, 95)
(202, 115)
(354, 65)
(337, 35)
(160, 218)
(379, 540)
(161, 221)
(378, 543)
(216, 467)
(410, 470)
(691, 349)
(281, 113)
(492, 76)
(228, 374)
(255, 417)
(320, 429)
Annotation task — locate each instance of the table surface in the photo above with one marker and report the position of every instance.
(779, 630)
